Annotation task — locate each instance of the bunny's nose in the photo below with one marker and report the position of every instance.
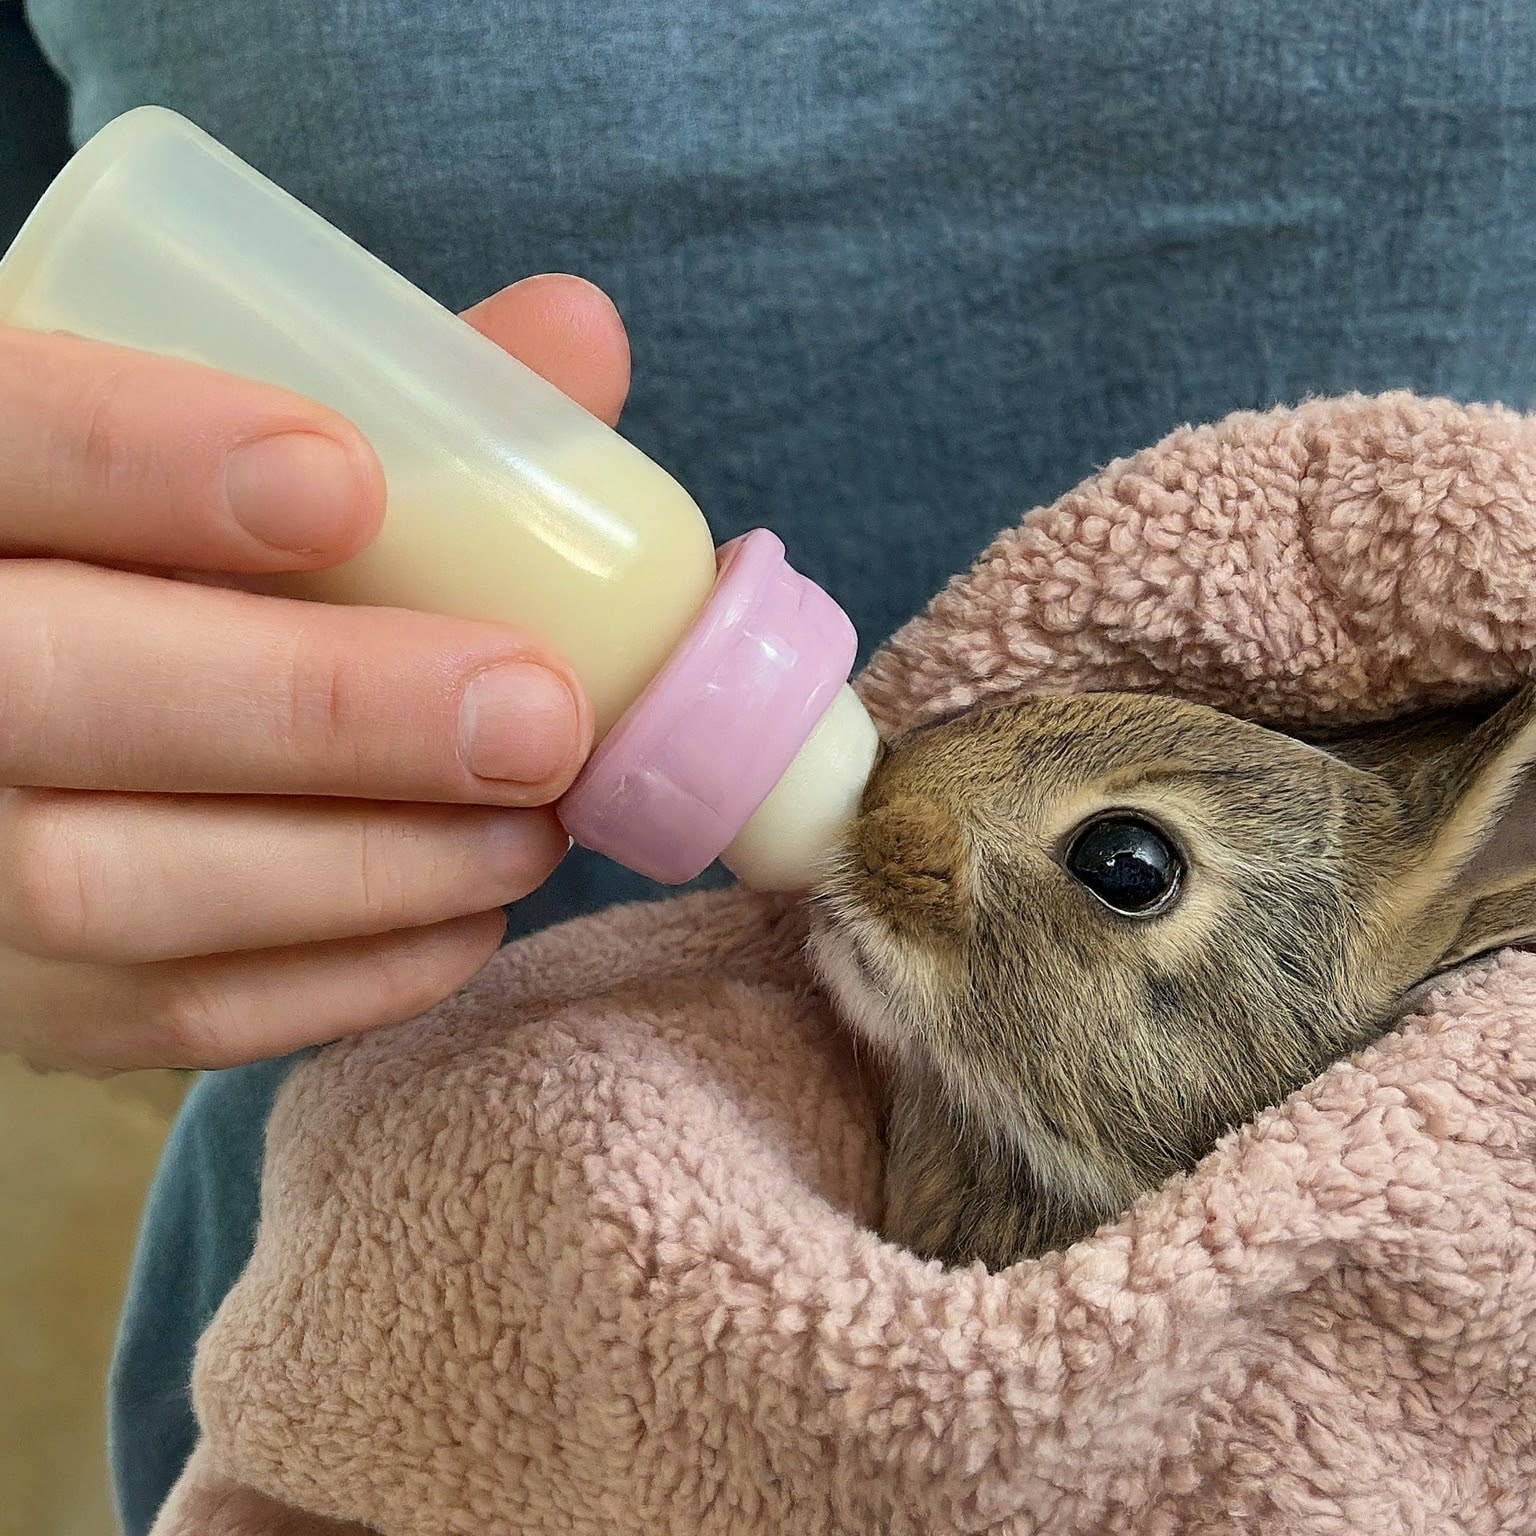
(910, 854)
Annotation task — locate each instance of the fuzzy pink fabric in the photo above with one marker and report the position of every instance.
(587, 1249)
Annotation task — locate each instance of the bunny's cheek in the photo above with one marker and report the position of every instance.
(858, 993)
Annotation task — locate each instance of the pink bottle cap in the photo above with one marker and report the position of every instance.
(696, 754)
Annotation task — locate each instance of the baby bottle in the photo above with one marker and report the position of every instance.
(718, 679)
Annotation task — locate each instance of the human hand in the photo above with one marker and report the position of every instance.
(232, 825)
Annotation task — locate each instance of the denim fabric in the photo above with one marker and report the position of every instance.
(203, 1205)
(34, 135)
(893, 272)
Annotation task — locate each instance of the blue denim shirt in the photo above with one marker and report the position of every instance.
(893, 272)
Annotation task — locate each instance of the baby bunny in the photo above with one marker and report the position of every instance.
(1092, 933)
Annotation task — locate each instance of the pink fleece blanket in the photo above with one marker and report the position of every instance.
(587, 1248)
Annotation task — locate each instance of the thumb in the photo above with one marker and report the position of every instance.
(566, 330)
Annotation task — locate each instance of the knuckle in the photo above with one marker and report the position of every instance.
(325, 714)
(98, 429)
(54, 899)
(383, 885)
(29, 646)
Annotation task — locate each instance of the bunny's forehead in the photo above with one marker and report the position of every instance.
(1116, 739)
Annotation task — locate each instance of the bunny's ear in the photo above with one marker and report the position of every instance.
(1470, 805)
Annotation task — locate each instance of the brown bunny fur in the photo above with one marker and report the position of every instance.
(1052, 1058)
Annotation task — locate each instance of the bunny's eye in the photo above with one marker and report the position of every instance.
(1128, 864)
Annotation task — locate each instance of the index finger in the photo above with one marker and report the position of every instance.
(113, 455)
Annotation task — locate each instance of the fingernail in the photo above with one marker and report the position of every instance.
(296, 492)
(518, 723)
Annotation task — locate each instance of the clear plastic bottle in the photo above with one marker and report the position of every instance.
(718, 678)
